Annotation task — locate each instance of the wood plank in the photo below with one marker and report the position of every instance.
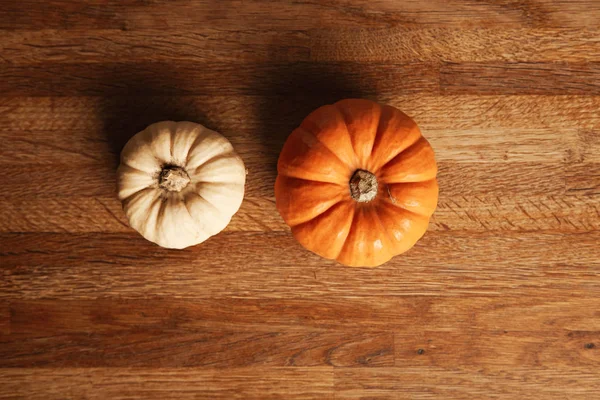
(95, 119)
(218, 78)
(441, 264)
(265, 14)
(466, 383)
(167, 347)
(4, 318)
(258, 214)
(520, 78)
(399, 44)
(413, 318)
(198, 45)
(166, 383)
(476, 348)
(503, 179)
(470, 112)
(529, 213)
(225, 332)
(444, 44)
(583, 178)
(513, 145)
(61, 180)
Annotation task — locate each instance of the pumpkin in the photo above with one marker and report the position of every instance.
(357, 182)
(180, 183)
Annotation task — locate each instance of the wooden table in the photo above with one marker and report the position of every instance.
(500, 299)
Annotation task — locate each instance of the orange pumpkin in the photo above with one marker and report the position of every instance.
(357, 182)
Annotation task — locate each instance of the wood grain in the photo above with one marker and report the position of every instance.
(167, 383)
(90, 117)
(266, 14)
(411, 317)
(520, 78)
(466, 383)
(158, 332)
(498, 348)
(303, 383)
(399, 44)
(213, 78)
(4, 318)
(444, 44)
(198, 45)
(583, 178)
(467, 263)
(200, 348)
(499, 300)
(191, 78)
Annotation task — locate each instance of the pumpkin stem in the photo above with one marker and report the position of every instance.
(363, 186)
(173, 178)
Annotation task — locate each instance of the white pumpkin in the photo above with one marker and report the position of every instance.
(180, 183)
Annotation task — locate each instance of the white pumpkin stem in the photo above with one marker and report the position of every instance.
(363, 186)
(173, 179)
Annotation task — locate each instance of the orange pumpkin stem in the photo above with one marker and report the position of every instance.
(363, 186)
(173, 178)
